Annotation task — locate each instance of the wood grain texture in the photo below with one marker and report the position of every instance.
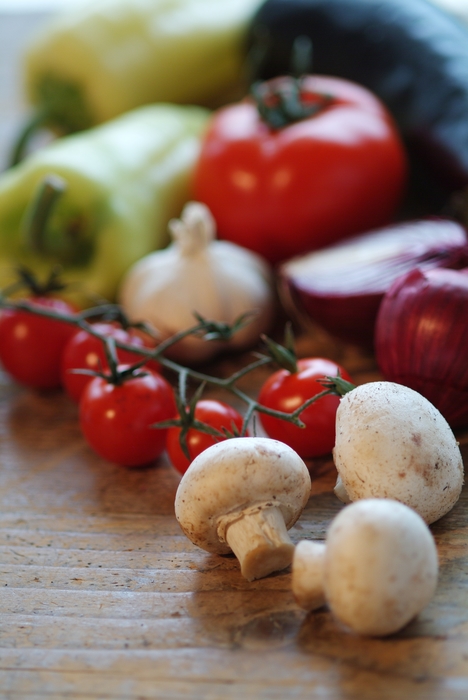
(103, 597)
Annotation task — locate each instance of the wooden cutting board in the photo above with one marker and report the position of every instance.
(102, 596)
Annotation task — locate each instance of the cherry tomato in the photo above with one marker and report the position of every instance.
(116, 420)
(214, 413)
(284, 191)
(31, 346)
(286, 391)
(85, 351)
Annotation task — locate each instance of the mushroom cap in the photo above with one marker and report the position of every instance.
(391, 442)
(380, 566)
(235, 475)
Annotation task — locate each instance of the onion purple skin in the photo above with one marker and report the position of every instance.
(348, 318)
(421, 338)
(350, 315)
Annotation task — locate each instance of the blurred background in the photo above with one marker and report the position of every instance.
(459, 7)
(19, 19)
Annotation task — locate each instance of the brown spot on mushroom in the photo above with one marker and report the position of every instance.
(416, 438)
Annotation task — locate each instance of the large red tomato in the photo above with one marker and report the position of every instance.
(284, 191)
(286, 391)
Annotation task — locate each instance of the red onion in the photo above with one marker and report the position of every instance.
(341, 287)
(421, 338)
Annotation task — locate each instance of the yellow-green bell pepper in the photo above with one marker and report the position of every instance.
(92, 63)
(124, 180)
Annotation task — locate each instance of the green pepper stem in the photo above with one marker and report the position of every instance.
(38, 213)
(36, 122)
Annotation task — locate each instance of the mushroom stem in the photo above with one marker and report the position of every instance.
(308, 571)
(243, 495)
(259, 539)
(340, 491)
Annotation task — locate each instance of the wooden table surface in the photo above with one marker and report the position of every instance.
(102, 596)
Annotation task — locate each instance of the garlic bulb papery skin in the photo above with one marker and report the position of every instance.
(197, 273)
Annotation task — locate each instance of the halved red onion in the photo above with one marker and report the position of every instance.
(421, 338)
(341, 287)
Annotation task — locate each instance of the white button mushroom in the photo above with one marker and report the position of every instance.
(377, 570)
(391, 442)
(243, 494)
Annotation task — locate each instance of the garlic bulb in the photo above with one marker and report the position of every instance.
(197, 273)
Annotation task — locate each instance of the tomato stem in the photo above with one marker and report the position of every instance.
(28, 281)
(284, 355)
(285, 100)
(301, 56)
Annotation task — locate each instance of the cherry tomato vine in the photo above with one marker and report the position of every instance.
(208, 330)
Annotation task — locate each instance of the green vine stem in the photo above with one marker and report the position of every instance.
(207, 329)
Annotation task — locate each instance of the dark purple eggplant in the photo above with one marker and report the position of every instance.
(410, 53)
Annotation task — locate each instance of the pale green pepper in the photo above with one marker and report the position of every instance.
(98, 61)
(124, 181)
